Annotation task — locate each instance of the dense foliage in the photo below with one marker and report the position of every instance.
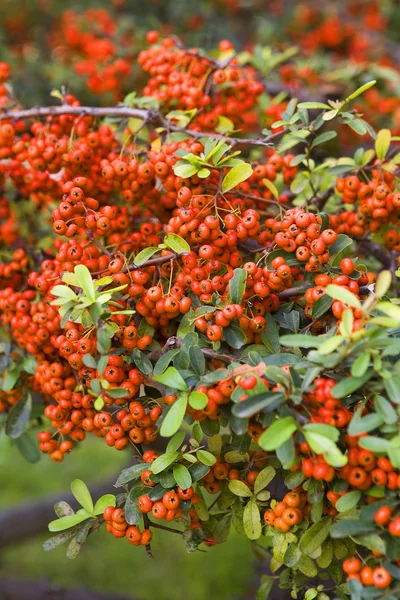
(204, 273)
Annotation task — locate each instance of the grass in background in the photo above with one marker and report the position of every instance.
(106, 563)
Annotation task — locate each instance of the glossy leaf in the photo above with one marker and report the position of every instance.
(173, 419)
(235, 176)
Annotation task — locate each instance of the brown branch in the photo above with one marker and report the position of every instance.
(152, 117)
(15, 589)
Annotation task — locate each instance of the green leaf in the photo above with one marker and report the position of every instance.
(176, 441)
(312, 105)
(266, 401)
(197, 470)
(239, 489)
(348, 501)
(300, 341)
(326, 430)
(206, 457)
(383, 283)
(392, 387)
(222, 529)
(130, 474)
(347, 527)
(176, 243)
(18, 417)
(182, 476)
(364, 425)
(385, 410)
(198, 400)
(132, 513)
(184, 169)
(234, 336)
(314, 537)
(277, 433)
(118, 392)
(338, 249)
(321, 307)
(330, 345)
(172, 378)
(272, 188)
(360, 365)
(237, 285)
(340, 293)
(372, 541)
(197, 360)
(323, 138)
(63, 291)
(164, 461)
(323, 445)
(360, 90)
(28, 448)
(103, 340)
(103, 502)
(349, 385)
(144, 255)
(57, 540)
(174, 417)
(85, 281)
(82, 494)
(164, 361)
(235, 176)
(374, 443)
(331, 114)
(264, 478)
(63, 509)
(382, 143)
(11, 378)
(265, 587)
(252, 520)
(67, 522)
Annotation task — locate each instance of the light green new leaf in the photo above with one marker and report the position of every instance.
(176, 243)
(235, 176)
(103, 502)
(85, 281)
(382, 143)
(82, 494)
(340, 293)
(67, 522)
(144, 256)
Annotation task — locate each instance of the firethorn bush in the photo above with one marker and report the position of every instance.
(204, 274)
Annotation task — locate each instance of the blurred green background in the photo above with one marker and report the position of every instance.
(108, 564)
